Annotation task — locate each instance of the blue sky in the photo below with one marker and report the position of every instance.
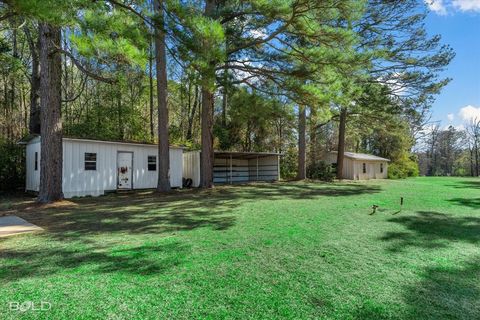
(458, 22)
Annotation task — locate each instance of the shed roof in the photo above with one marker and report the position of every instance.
(244, 155)
(30, 138)
(362, 156)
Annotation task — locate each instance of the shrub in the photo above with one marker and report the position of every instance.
(12, 166)
(461, 172)
(403, 168)
(320, 171)
(288, 164)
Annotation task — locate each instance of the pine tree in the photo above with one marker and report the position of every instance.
(161, 71)
(51, 119)
(399, 55)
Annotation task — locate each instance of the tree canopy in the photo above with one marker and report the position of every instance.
(225, 74)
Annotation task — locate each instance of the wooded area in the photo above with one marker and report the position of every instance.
(297, 77)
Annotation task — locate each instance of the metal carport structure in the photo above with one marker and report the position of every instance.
(231, 167)
(242, 167)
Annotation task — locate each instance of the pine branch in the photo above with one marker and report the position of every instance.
(83, 69)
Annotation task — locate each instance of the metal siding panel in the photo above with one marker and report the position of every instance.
(191, 167)
(176, 167)
(144, 177)
(350, 169)
(78, 182)
(30, 166)
(112, 168)
(67, 167)
(268, 169)
(36, 174)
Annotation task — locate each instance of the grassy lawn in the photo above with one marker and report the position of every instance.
(285, 250)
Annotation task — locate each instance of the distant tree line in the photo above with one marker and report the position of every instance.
(299, 77)
(451, 151)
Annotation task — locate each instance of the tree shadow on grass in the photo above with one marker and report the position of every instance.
(430, 230)
(466, 184)
(446, 292)
(301, 190)
(132, 214)
(149, 259)
(151, 213)
(86, 234)
(472, 203)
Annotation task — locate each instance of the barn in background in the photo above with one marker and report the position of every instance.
(234, 167)
(360, 166)
(92, 167)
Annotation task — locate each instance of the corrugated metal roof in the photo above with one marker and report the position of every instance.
(244, 155)
(146, 144)
(30, 138)
(240, 154)
(362, 156)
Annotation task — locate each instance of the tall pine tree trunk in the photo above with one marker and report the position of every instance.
(341, 142)
(150, 82)
(51, 121)
(13, 89)
(34, 118)
(207, 155)
(313, 137)
(191, 116)
(301, 172)
(163, 184)
(206, 178)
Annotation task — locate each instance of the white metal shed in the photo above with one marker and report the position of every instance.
(360, 166)
(91, 167)
(231, 167)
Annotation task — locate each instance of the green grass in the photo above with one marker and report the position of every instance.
(285, 250)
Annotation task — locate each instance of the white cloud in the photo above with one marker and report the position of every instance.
(394, 82)
(437, 6)
(450, 117)
(469, 113)
(467, 5)
(443, 7)
(258, 33)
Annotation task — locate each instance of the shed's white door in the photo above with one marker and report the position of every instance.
(124, 169)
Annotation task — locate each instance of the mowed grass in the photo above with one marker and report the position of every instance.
(267, 251)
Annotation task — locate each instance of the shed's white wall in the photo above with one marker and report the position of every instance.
(348, 165)
(191, 167)
(32, 177)
(176, 167)
(353, 169)
(373, 170)
(80, 182)
(349, 168)
(383, 175)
